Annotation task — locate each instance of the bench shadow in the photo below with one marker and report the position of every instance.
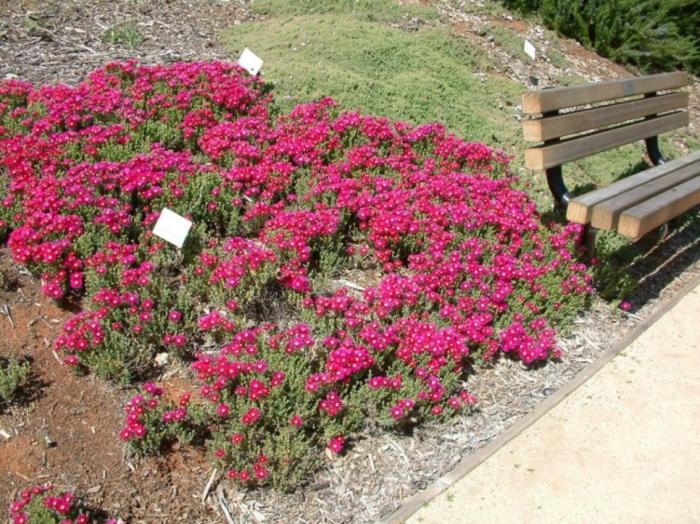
(640, 166)
(652, 262)
(587, 187)
(639, 272)
(661, 262)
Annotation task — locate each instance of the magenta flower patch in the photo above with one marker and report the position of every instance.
(340, 268)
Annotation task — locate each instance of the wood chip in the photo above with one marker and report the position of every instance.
(223, 504)
(207, 487)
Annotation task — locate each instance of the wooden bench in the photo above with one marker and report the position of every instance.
(575, 122)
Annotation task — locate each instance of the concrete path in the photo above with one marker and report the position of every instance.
(624, 447)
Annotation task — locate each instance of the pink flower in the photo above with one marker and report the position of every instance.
(71, 360)
(336, 444)
(397, 412)
(252, 416)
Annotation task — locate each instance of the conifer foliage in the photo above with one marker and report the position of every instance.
(652, 35)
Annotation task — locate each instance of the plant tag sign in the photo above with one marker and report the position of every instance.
(250, 61)
(172, 227)
(530, 49)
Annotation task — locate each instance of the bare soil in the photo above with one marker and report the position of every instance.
(65, 427)
(63, 40)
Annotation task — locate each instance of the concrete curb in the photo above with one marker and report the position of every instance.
(468, 463)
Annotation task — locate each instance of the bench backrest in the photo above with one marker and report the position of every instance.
(616, 113)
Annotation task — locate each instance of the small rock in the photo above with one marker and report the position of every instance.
(162, 359)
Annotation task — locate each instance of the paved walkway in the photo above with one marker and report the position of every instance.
(624, 447)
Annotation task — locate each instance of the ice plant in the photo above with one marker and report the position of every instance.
(291, 356)
(42, 503)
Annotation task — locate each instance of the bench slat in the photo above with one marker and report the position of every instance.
(580, 208)
(606, 215)
(543, 157)
(562, 97)
(558, 126)
(649, 215)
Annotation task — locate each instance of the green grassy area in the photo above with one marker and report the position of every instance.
(419, 76)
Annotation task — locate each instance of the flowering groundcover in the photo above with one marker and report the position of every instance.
(455, 263)
(42, 504)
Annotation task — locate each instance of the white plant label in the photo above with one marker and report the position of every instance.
(530, 49)
(250, 61)
(172, 227)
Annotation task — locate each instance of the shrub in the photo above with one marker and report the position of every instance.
(652, 35)
(289, 359)
(42, 504)
(14, 374)
(152, 423)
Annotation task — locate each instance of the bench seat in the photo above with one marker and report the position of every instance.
(640, 203)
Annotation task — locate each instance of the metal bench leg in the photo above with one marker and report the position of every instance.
(556, 184)
(589, 235)
(653, 150)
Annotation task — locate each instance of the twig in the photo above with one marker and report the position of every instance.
(223, 504)
(350, 284)
(208, 486)
(20, 475)
(86, 48)
(101, 26)
(8, 314)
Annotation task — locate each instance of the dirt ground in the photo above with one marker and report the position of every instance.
(66, 427)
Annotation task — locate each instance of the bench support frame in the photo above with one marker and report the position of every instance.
(590, 233)
(557, 186)
(555, 181)
(562, 197)
(655, 155)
